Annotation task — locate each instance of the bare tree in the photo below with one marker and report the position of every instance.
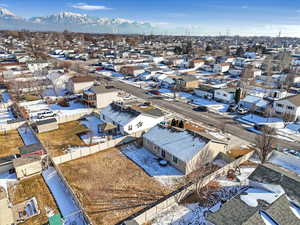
(269, 112)
(289, 80)
(285, 62)
(268, 65)
(265, 142)
(252, 109)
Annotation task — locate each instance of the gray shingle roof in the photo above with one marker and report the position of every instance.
(270, 174)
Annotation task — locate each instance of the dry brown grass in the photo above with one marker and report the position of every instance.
(10, 143)
(110, 186)
(238, 152)
(33, 187)
(65, 136)
(193, 127)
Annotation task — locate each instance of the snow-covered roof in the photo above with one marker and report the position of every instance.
(182, 144)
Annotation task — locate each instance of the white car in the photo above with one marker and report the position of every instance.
(46, 114)
(242, 111)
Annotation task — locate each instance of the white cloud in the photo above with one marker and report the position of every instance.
(85, 6)
(3, 5)
(245, 7)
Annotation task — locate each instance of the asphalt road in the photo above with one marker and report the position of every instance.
(224, 123)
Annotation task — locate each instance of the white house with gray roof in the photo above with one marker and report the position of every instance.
(184, 149)
(132, 118)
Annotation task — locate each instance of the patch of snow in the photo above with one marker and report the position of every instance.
(220, 107)
(6, 115)
(27, 135)
(166, 175)
(191, 214)
(288, 162)
(69, 210)
(5, 178)
(252, 118)
(267, 219)
(295, 209)
(252, 195)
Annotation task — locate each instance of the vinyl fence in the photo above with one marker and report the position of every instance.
(85, 151)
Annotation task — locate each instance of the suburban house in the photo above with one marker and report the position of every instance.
(250, 207)
(221, 68)
(256, 103)
(132, 70)
(187, 82)
(37, 65)
(100, 97)
(205, 91)
(197, 63)
(289, 105)
(184, 149)
(238, 212)
(132, 118)
(225, 95)
(79, 84)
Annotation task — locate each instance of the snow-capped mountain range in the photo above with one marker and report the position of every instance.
(73, 22)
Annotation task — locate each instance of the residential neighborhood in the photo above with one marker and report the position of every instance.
(119, 129)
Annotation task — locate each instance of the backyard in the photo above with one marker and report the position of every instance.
(34, 187)
(110, 186)
(10, 142)
(66, 136)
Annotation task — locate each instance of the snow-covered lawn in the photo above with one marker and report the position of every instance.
(92, 123)
(5, 178)
(74, 108)
(291, 163)
(27, 135)
(166, 175)
(220, 107)
(5, 115)
(255, 119)
(64, 199)
(191, 214)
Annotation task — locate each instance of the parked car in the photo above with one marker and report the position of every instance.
(46, 114)
(201, 109)
(242, 110)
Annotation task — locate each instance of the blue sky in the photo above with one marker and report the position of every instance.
(266, 17)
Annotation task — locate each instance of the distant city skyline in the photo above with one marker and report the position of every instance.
(212, 17)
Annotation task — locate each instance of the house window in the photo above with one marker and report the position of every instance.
(224, 95)
(163, 153)
(130, 127)
(291, 107)
(139, 124)
(175, 160)
(279, 105)
(279, 113)
(103, 117)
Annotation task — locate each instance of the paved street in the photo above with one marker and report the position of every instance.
(209, 118)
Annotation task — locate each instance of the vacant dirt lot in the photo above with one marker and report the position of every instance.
(34, 187)
(110, 186)
(66, 136)
(10, 142)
